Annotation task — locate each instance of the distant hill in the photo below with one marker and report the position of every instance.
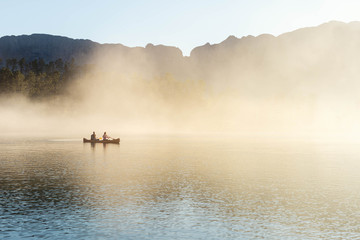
(308, 58)
(330, 47)
(45, 46)
(302, 80)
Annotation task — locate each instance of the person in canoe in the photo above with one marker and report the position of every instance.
(106, 137)
(93, 136)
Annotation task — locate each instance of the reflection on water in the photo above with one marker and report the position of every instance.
(103, 145)
(180, 188)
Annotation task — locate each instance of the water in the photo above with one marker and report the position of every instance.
(180, 187)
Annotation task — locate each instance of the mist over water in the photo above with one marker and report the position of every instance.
(251, 138)
(287, 85)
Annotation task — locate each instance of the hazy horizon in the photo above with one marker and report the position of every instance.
(184, 24)
(254, 135)
(286, 85)
(186, 53)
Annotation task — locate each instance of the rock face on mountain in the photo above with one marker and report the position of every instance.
(311, 58)
(45, 46)
(328, 49)
(307, 78)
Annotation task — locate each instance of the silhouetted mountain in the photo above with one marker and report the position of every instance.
(302, 80)
(50, 48)
(333, 46)
(45, 46)
(304, 56)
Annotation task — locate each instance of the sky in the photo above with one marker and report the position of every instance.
(182, 23)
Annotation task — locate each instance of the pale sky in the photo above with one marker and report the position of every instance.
(184, 23)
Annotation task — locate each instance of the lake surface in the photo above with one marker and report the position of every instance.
(180, 187)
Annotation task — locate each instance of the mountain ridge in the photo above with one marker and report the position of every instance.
(51, 47)
(248, 57)
(307, 78)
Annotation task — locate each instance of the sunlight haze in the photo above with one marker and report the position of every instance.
(184, 24)
(193, 119)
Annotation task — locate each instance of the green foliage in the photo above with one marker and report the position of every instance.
(36, 78)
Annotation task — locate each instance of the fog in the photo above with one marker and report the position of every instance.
(300, 83)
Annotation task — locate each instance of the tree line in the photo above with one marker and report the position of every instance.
(36, 78)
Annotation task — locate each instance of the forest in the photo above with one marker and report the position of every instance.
(36, 79)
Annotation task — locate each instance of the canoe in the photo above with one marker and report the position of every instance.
(117, 140)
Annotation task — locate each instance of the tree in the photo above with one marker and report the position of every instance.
(22, 63)
(59, 64)
(41, 65)
(12, 64)
(50, 67)
(6, 80)
(19, 83)
(32, 87)
(37, 78)
(34, 66)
